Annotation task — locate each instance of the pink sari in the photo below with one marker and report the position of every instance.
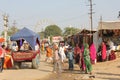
(92, 53)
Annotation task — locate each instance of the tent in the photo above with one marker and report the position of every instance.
(110, 30)
(109, 25)
(28, 35)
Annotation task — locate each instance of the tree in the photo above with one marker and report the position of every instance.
(11, 31)
(70, 31)
(41, 34)
(53, 30)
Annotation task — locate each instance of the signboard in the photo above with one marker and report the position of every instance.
(56, 39)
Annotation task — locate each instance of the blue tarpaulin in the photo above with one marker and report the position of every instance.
(28, 35)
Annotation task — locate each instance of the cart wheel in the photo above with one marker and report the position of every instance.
(35, 62)
(17, 65)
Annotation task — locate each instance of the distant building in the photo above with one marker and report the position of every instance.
(57, 39)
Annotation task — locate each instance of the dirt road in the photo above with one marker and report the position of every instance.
(26, 73)
(109, 70)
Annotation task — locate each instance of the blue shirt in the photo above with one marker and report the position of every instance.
(70, 55)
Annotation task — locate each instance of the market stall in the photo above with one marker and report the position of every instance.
(81, 37)
(110, 30)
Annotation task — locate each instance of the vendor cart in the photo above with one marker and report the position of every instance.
(27, 55)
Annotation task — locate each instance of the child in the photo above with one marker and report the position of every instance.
(57, 61)
(70, 56)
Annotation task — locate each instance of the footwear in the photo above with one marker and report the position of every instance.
(86, 72)
(92, 76)
(71, 69)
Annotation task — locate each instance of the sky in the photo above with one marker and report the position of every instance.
(37, 14)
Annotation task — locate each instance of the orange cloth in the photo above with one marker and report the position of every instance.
(7, 62)
(49, 52)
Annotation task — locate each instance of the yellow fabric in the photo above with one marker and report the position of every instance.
(42, 47)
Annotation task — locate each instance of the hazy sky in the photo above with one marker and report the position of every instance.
(60, 12)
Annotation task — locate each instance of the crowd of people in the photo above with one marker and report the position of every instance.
(60, 53)
(6, 59)
(84, 55)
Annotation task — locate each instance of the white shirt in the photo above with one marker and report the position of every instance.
(61, 50)
(36, 47)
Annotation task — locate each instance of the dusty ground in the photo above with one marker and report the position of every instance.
(109, 70)
(26, 73)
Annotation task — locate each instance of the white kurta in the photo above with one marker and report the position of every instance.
(62, 53)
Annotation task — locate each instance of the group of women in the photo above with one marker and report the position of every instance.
(85, 57)
(106, 51)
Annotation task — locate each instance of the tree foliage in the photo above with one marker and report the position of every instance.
(11, 31)
(42, 35)
(70, 31)
(53, 30)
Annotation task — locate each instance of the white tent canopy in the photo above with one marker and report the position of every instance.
(109, 25)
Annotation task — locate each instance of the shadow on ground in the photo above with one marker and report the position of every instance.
(110, 74)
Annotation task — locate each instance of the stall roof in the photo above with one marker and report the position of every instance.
(87, 31)
(109, 25)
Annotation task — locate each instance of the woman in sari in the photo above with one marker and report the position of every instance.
(77, 54)
(82, 59)
(93, 53)
(103, 52)
(87, 59)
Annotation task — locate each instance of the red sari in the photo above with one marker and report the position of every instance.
(77, 54)
(103, 52)
(112, 55)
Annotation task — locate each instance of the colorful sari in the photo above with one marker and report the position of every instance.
(82, 59)
(49, 52)
(77, 54)
(92, 53)
(87, 58)
(104, 54)
(8, 62)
